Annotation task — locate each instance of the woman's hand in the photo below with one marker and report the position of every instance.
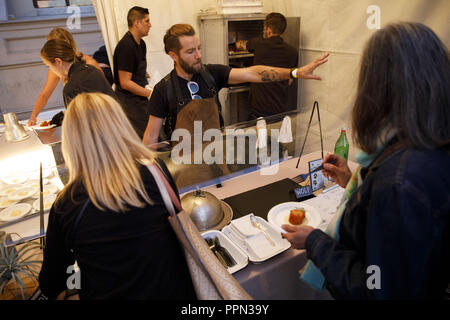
(296, 235)
(32, 121)
(336, 168)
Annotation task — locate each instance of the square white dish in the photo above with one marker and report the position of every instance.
(257, 247)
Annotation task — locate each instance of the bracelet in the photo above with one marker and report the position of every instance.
(293, 73)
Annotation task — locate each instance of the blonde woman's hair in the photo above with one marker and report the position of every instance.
(101, 150)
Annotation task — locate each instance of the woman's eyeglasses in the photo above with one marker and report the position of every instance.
(193, 89)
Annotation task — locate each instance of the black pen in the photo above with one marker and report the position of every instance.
(332, 161)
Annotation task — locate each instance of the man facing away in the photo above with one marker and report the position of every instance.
(130, 69)
(267, 99)
(189, 92)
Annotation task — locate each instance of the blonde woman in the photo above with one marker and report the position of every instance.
(52, 78)
(111, 213)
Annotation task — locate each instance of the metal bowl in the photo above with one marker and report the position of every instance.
(206, 211)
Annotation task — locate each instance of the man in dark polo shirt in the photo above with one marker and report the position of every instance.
(189, 92)
(130, 69)
(267, 99)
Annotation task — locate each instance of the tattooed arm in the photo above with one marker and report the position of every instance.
(270, 74)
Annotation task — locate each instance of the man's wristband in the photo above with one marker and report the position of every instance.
(293, 73)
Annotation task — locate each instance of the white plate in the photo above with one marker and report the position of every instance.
(257, 247)
(5, 202)
(15, 211)
(38, 123)
(48, 189)
(35, 183)
(6, 190)
(238, 255)
(43, 128)
(15, 179)
(22, 193)
(46, 172)
(279, 214)
(48, 202)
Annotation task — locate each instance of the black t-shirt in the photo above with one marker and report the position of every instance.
(271, 98)
(121, 255)
(159, 102)
(84, 78)
(131, 57)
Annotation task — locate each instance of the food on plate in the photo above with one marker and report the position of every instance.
(296, 216)
(9, 190)
(16, 213)
(44, 124)
(6, 202)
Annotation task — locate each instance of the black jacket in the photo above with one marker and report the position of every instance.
(399, 221)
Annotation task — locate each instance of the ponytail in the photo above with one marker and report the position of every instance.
(79, 57)
(56, 48)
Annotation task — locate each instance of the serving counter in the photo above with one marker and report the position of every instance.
(241, 158)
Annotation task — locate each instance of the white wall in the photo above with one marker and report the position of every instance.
(340, 27)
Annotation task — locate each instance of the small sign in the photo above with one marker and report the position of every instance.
(317, 178)
(303, 192)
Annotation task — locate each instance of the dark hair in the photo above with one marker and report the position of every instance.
(136, 13)
(404, 85)
(276, 21)
(57, 48)
(171, 41)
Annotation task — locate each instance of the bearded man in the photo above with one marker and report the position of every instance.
(190, 91)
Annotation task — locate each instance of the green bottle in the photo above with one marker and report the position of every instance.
(341, 147)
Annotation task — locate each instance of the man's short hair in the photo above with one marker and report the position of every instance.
(276, 21)
(136, 13)
(171, 38)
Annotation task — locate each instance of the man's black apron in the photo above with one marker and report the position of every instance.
(136, 107)
(182, 114)
(184, 111)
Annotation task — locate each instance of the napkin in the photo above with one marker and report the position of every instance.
(286, 131)
(243, 227)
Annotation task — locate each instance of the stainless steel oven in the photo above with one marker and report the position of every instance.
(218, 33)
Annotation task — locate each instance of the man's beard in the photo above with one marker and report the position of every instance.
(189, 69)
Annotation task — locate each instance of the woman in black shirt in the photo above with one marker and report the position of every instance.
(67, 63)
(123, 243)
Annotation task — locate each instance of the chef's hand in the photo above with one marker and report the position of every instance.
(306, 72)
(32, 121)
(296, 235)
(336, 168)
